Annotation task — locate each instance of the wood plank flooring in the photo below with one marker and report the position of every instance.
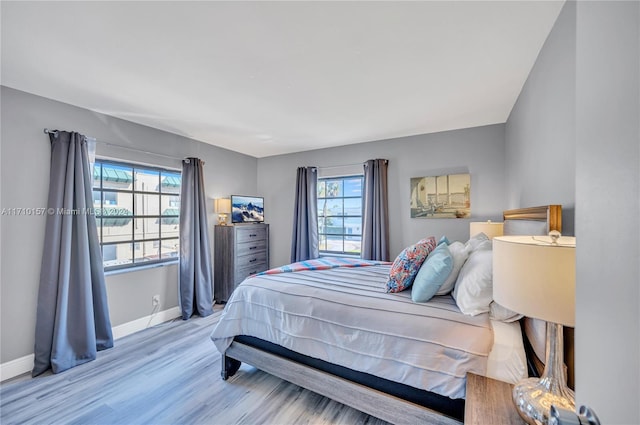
(168, 374)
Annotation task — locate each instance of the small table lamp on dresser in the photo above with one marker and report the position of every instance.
(535, 276)
(222, 207)
(489, 228)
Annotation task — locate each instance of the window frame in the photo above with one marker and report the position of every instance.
(133, 241)
(343, 235)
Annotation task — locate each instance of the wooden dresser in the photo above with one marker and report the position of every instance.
(239, 251)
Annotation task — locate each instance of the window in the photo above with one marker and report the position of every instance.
(340, 214)
(137, 213)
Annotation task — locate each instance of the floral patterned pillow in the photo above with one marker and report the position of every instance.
(407, 263)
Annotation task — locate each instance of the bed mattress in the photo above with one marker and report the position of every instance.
(344, 316)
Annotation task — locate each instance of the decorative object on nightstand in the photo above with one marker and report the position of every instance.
(489, 228)
(222, 207)
(535, 276)
(585, 416)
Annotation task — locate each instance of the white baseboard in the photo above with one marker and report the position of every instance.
(145, 322)
(16, 367)
(24, 364)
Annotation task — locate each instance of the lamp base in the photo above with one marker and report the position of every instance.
(533, 399)
(222, 219)
(534, 396)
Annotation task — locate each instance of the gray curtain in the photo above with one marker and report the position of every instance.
(375, 220)
(72, 321)
(304, 242)
(196, 283)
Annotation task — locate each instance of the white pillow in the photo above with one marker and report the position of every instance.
(477, 242)
(498, 312)
(474, 288)
(460, 253)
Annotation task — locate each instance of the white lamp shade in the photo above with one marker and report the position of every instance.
(489, 228)
(535, 278)
(222, 205)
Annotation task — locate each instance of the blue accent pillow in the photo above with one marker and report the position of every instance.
(444, 240)
(433, 273)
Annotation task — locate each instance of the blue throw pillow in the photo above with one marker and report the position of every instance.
(444, 240)
(433, 273)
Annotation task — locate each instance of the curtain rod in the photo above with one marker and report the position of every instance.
(342, 165)
(347, 165)
(55, 132)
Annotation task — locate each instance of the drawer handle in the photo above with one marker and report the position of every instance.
(253, 261)
(253, 247)
(252, 235)
(252, 273)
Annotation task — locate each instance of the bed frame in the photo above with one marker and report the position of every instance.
(368, 400)
(373, 402)
(551, 214)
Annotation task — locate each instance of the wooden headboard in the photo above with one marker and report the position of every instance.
(548, 217)
(539, 221)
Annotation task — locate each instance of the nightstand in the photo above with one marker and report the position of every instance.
(489, 402)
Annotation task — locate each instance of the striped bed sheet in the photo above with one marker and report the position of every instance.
(344, 316)
(323, 264)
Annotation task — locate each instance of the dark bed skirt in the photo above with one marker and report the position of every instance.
(450, 407)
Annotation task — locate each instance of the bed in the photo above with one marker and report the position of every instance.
(334, 329)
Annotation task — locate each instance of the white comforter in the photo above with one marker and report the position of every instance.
(344, 316)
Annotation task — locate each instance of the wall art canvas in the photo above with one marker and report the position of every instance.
(447, 196)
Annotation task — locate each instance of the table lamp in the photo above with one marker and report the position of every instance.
(222, 206)
(488, 227)
(535, 276)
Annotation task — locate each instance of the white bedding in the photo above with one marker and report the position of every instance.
(344, 316)
(507, 361)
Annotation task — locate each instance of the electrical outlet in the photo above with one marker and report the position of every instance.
(155, 300)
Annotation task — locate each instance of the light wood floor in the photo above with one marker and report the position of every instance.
(168, 374)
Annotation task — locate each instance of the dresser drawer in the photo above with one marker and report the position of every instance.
(243, 261)
(246, 271)
(251, 248)
(250, 233)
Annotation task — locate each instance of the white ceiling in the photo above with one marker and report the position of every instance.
(266, 78)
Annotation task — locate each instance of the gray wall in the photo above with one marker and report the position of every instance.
(607, 210)
(540, 131)
(25, 153)
(478, 151)
(573, 138)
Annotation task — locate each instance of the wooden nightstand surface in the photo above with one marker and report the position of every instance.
(489, 402)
